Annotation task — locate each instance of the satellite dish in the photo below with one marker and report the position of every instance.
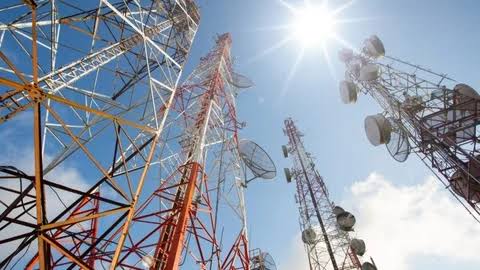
(309, 236)
(466, 91)
(257, 160)
(263, 261)
(373, 47)
(337, 210)
(345, 55)
(378, 129)
(369, 72)
(353, 69)
(239, 80)
(285, 150)
(288, 175)
(348, 92)
(358, 246)
(398, 146)
(346, 221)
(368, 266)
(464, 185)
(465, 94)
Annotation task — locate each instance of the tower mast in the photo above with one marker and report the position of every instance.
(424, 112)
(101, 77)
(327, 246)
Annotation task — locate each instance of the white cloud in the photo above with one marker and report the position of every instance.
(401, 224)
(297, 257)
(23, 159)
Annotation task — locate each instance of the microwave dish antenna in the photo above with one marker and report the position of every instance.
(239, 81)
(257, 160)
(398, 146)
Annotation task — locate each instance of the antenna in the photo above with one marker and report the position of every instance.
(325, 227)
(240, 81)
(261, 260)
(257, 160)
(398, 146)
(96, 78)
(425, 112)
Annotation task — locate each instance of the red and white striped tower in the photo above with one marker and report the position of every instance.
(195, 216)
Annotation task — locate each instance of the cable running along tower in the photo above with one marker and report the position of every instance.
(425, 113)
(324, 226)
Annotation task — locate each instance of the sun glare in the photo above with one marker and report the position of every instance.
(313, 25)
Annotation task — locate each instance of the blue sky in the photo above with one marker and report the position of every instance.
(441, 35)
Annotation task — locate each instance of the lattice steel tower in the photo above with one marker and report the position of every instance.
(97, 80)
(425, 112)
(324, 226)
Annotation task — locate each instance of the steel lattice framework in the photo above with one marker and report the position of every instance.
(437, 117)
(195, 216)
(331, 247)
(101, 78)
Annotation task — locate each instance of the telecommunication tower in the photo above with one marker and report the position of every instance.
(98, 79)
(164, 169)
(196, 217)
(325, 227)
(425, 113)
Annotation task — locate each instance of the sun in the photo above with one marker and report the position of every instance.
(313, 25)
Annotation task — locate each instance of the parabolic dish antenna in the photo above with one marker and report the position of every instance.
(368, 266)
(337, 210)
(263, 261)
(348, 92)
(398, 146)
(346, 221)
(369, 72)
(378, 129)
(239, 80)
(257, 160)
(358, 246)
(345, 55)
(373, 47)
(288, 174)
(466, 97)
(309, 236)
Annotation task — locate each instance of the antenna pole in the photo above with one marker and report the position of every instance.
(312, 194)
(434, 116)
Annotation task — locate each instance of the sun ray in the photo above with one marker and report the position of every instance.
(355, 20)
(287, 5)
(269, 50)
(344, 43)
(292, 72)
(329, 62)
(341, 8)
(271, 28)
